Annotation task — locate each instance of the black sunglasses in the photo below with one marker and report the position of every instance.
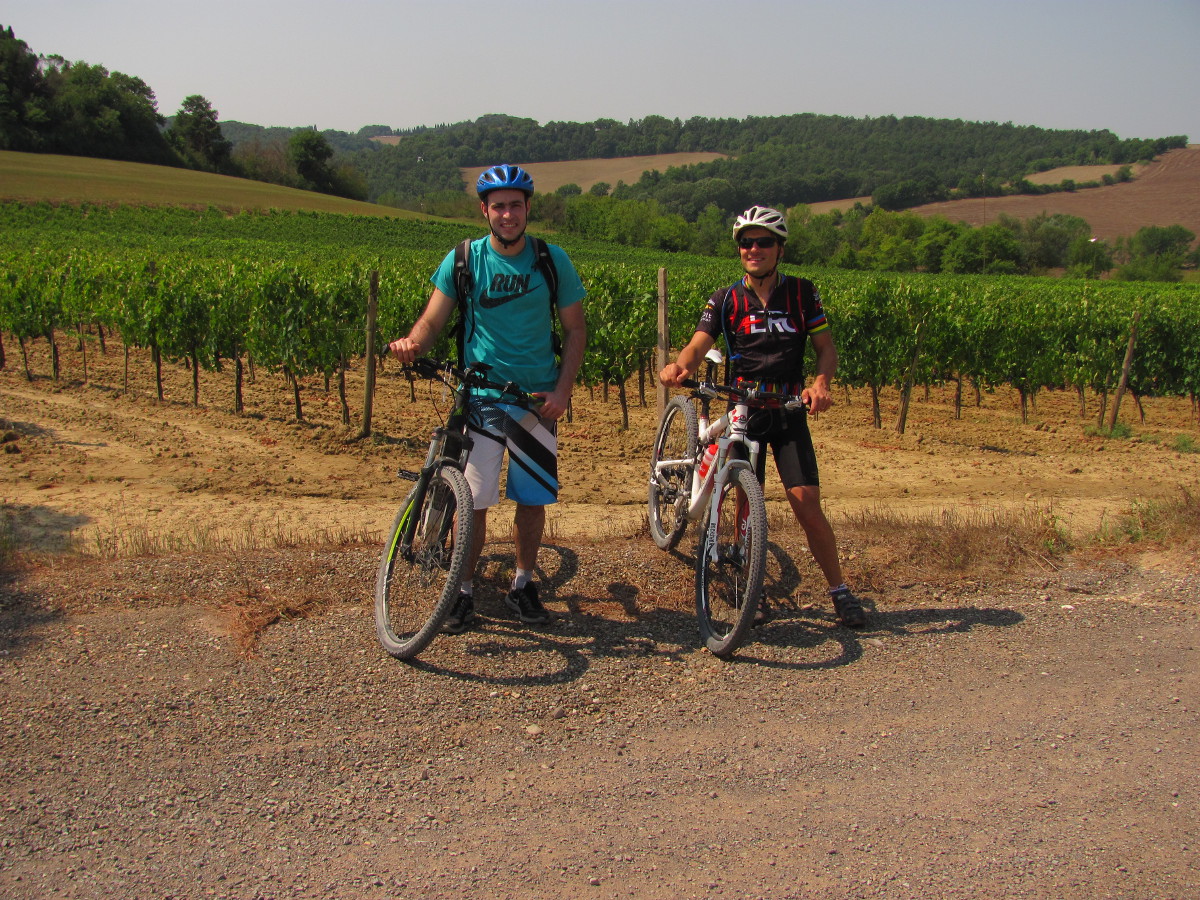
(763, 243)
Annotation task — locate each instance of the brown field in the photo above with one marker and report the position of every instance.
(550, 176)
(1164, 192)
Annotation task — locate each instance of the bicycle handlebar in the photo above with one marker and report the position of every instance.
(474, 376)
(752, 396)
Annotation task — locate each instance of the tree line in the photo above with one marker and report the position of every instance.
(804, 158)
(51, 105)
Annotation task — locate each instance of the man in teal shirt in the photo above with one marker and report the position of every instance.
(509, 326)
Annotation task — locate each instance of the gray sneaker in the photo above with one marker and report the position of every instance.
(525, 603)
(462, 615)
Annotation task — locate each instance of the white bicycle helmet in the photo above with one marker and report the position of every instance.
(761, 217)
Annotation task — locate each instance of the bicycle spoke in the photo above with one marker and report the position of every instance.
(423, 564)
(729, 569)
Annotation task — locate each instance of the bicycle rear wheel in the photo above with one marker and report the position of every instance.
(674, 457)
(730, 563)
(422, 563)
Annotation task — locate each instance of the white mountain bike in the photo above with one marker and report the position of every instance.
(703, 470)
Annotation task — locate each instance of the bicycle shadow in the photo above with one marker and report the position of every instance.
(611, 627)
(809, 627)
(809, 630)
(624, 624)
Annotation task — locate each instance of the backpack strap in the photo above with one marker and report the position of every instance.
(545, 264)
(464, 284)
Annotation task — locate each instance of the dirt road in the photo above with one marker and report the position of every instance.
(1028, 734)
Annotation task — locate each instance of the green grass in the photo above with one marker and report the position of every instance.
(1155, 521)
(1185, 443)
(1119, 431)
(34, 177)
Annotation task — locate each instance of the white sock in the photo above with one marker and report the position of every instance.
(522, 578)
(465, 587)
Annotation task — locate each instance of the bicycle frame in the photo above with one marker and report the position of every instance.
(727, 431)
(451, 444)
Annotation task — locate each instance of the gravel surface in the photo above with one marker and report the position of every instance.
(1030, 739)
(191, 724)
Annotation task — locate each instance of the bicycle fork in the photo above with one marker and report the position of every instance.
(444, 440)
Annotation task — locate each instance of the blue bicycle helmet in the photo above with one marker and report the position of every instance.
(504, 176)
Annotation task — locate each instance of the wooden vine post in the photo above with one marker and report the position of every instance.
(1124, 382)
(664, 339)
(369, 356)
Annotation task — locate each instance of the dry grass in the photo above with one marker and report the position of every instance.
(1078, 174)
(1175, 522)
(976, 544)
(123, 541)
(254, 608)
(550, 176)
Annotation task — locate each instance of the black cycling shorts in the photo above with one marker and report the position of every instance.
(786, 433)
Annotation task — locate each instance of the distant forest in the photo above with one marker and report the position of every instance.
(48, 104)
(51, 105)
(785, 160)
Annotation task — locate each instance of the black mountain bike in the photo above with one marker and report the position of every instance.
(430, 539)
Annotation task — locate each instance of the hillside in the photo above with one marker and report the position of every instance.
(550, 176)
(1164, 192)
(79, 179)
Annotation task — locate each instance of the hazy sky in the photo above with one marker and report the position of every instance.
(1133, 68)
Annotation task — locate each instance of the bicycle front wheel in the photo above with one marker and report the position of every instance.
(422, 563)
(674, 457)
(730, 564)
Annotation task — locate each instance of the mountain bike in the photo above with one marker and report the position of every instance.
(430, 539)
(718, 487)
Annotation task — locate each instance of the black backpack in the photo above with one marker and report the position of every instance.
(464, 284)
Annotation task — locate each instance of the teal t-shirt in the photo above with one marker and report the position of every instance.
(508, 324)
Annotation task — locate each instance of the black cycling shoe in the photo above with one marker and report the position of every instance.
(849, 610)
(462, 615)
(525, 603)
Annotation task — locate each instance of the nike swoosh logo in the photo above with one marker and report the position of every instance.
(487, 301)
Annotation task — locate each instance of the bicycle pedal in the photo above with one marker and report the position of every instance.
(407, 475)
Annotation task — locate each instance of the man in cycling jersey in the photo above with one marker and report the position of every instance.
(509, 326)
(765, 318)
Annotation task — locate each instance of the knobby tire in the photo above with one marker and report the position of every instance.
(728, 587)
(419, 575)
(670, 488)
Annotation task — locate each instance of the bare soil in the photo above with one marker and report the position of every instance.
(208, 713)
(1164, 192)
(550, 176)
